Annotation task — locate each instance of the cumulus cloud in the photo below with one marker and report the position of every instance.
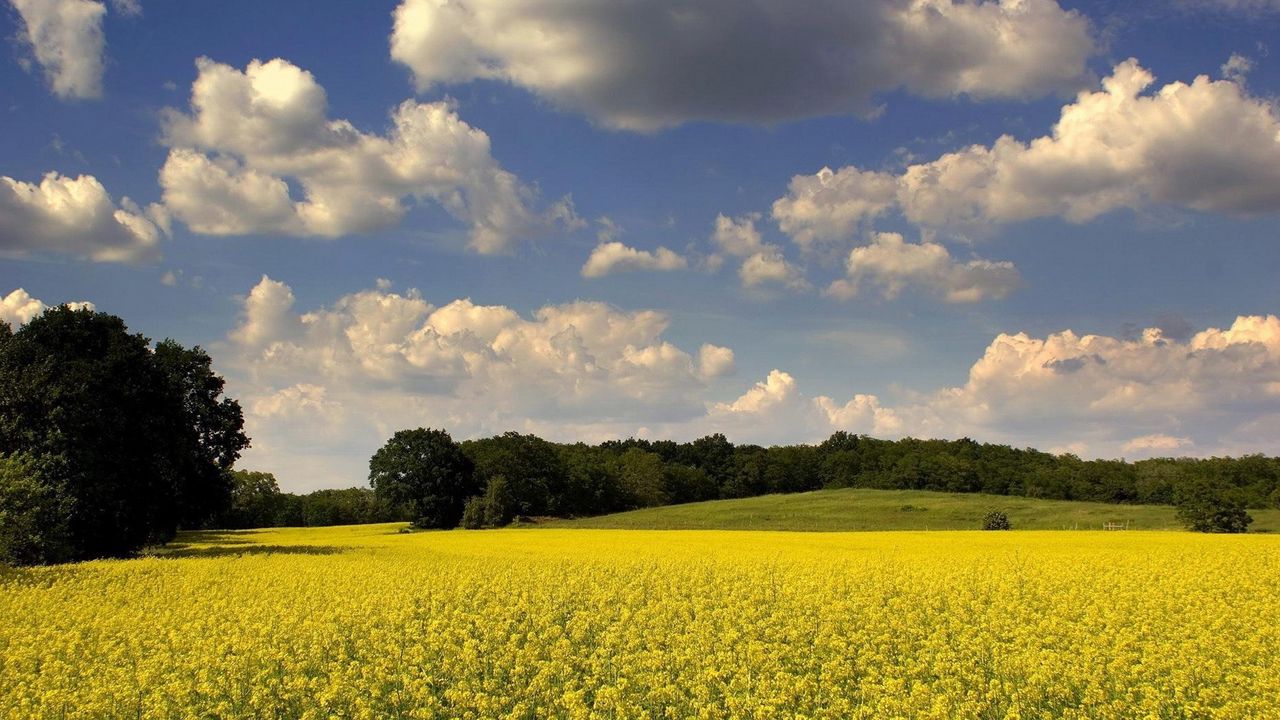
(249, 132)
(611, 257)
(377, 361)
(76, 217)
(776, 390)
(65, 36)
(831, 206)
(643, 66)
(893, 264)
(762, 263)
(18, 307)
(1205, 145)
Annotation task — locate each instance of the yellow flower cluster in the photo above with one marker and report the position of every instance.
(370, 623)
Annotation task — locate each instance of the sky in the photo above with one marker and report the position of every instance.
(1037, 223)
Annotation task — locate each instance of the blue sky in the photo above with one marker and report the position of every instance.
(1104, 286)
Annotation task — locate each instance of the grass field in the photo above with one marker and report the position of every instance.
(860, 509)
(369, 622)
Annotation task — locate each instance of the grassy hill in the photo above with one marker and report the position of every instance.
(861, 509)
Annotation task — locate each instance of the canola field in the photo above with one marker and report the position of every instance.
(366, 622)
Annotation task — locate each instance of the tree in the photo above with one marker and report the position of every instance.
(256, 500)
(117, 429)
(426, 473)
(1205, 505)
(536, 475)
(207, 440)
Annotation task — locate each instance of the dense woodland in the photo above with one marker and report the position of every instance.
(515, 475)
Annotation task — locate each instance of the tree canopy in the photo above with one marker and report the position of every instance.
(129, 443)
(426, 473)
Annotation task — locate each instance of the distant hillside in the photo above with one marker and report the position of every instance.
(860, 509)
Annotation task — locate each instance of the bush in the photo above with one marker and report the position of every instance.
(996, 520)
(1213, 507)
(33, 516)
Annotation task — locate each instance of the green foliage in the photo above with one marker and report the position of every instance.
(495, 508)
(256, 501)
(684, 484)
(133, 442)
(1211, 506)
(34, 517)
(640, 474)
(208, 441)
(536, 474)
(996, 520)
(425, 472)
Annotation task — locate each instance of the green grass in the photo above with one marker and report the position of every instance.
(860, 509)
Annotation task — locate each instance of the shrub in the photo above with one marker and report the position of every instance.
(996, 520)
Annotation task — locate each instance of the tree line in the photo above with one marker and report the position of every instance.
(489, 482)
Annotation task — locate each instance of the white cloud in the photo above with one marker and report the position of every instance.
(1156, 443)
(714, 361)
(18, 307)
(831, 206)
(762, 263)
(769, 266)
(66, 38)
(1206, 145)
(376, 361)
(862, 414)
(611, 257)
(643, 66)
(76, 217)
(892, 264)
(249, 132)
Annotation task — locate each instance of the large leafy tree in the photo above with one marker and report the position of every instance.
(208, 438)
(426, 473)
(123, 437)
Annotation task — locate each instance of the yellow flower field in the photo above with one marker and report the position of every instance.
(366, 622)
